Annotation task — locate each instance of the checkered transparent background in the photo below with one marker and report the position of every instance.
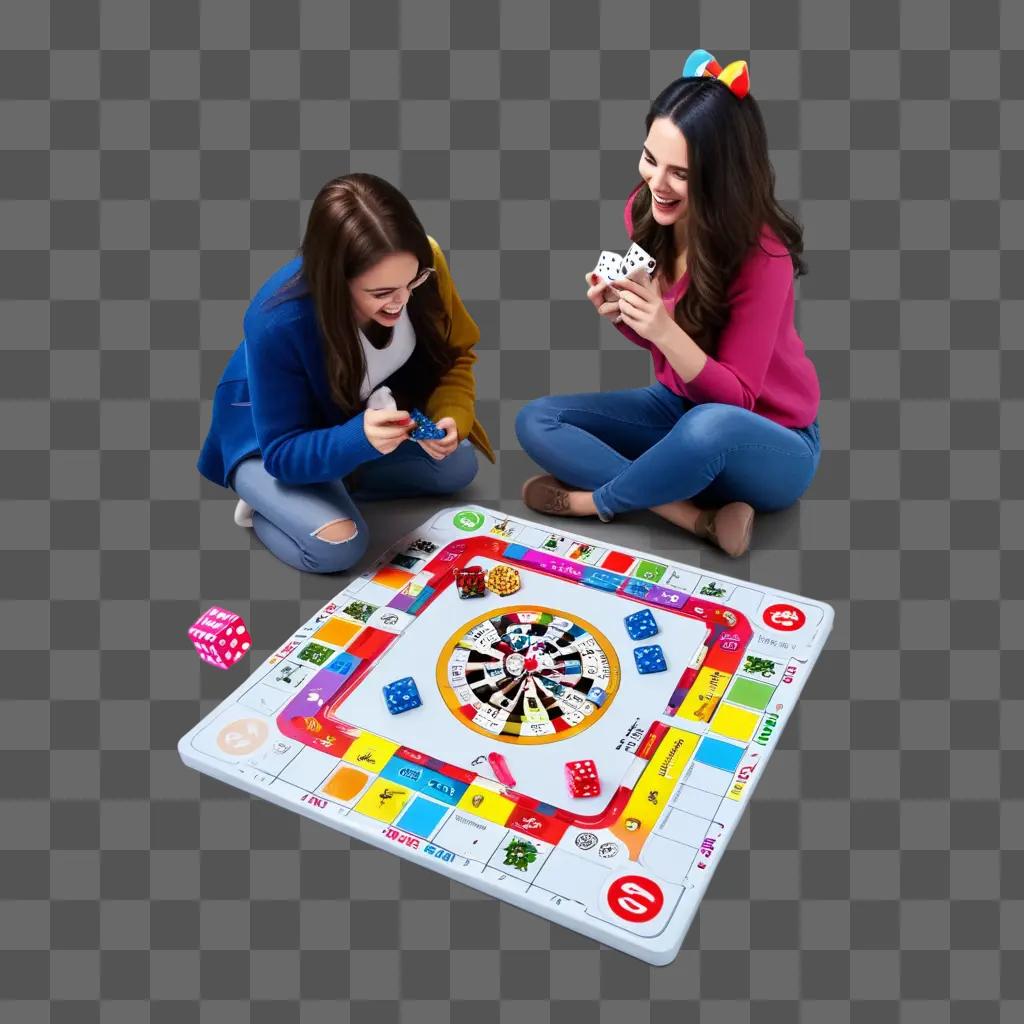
(158, 162)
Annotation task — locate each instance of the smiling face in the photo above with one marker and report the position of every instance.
(381, 293)
(663, 166)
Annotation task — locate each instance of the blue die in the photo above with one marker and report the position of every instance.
(426, 428)
(402, 695)
(650, 659)
(640, 625)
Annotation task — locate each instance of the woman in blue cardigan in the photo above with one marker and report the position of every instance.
(369, 302)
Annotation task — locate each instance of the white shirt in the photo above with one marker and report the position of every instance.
(382, 362)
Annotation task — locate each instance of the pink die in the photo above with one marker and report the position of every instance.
(220, 637)
(582, 778)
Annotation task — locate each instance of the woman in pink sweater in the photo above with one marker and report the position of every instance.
(730, 425)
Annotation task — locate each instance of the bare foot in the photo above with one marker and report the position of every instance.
(551, 497)
(729, 527)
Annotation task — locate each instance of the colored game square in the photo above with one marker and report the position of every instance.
(617, 561)
(516, 551)
(652, 571)
(402, 601)
(383, 801)
(751, 693)
(315, 654)
(487, 804)
(737, 723)
(370, 643)
(344, 665)
(602, 579)
(337, 631)
(421, 599)
(422, 817)
(370, 751)
(636, 588)
(345, 783)
(390, 576)
(718, 754)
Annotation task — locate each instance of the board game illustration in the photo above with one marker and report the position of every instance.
(573, 727)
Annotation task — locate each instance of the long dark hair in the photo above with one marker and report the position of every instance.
(354, 222)
(730, 200)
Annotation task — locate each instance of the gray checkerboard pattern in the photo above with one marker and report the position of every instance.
(158, 162)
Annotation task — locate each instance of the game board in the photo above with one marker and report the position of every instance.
(543, 676)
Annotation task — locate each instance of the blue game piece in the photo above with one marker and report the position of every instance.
(640, 625)
(426, 428)
(650, 659)
(402, 695)
(597, 696)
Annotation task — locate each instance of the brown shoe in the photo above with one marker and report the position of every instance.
(729, 527)
(547, 495)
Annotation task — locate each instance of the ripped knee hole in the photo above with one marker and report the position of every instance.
(337, 531)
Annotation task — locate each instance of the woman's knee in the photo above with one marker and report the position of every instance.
(535, 417)
(454, 473)
(335, 546)
(709, 426)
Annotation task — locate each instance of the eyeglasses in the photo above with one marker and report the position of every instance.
(412, 286)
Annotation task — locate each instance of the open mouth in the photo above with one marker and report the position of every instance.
(665, 204)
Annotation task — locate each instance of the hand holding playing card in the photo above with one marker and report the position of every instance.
(642, 308)
(442, 448)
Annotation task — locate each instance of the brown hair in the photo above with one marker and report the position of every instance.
(354, 222)
(730, 200)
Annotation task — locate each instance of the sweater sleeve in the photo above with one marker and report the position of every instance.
(295, 451)
(455, 394)
(757, 300)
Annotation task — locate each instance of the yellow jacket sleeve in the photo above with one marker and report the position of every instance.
(455, 394)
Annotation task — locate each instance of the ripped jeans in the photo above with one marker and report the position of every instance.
(648, 446)
(288, 519)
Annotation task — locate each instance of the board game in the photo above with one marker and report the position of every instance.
(505, 684)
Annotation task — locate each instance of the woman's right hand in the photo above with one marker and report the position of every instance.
(597, 292)
(386, 429)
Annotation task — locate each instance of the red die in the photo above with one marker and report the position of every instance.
(471, 581)
(220, 637)
(582, 778)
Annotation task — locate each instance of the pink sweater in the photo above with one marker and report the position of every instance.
(760, 363)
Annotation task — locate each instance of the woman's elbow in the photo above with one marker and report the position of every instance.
(281, 468)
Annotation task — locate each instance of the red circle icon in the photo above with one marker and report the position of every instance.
(784, 617)
(635, 898)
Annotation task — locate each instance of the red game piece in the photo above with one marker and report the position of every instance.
(582, 778)
(220, 637)
(501, 770)
(471, 581)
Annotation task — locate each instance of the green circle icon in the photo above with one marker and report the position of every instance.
(468, 520)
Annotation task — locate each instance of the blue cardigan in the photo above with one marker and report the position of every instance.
(273, 398)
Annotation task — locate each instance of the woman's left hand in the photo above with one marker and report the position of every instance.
(443, 447)
(641, 308)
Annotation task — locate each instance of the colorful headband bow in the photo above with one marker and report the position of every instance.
(700, 64)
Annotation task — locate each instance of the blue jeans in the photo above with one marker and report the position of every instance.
(287, 518)
(648, 446)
